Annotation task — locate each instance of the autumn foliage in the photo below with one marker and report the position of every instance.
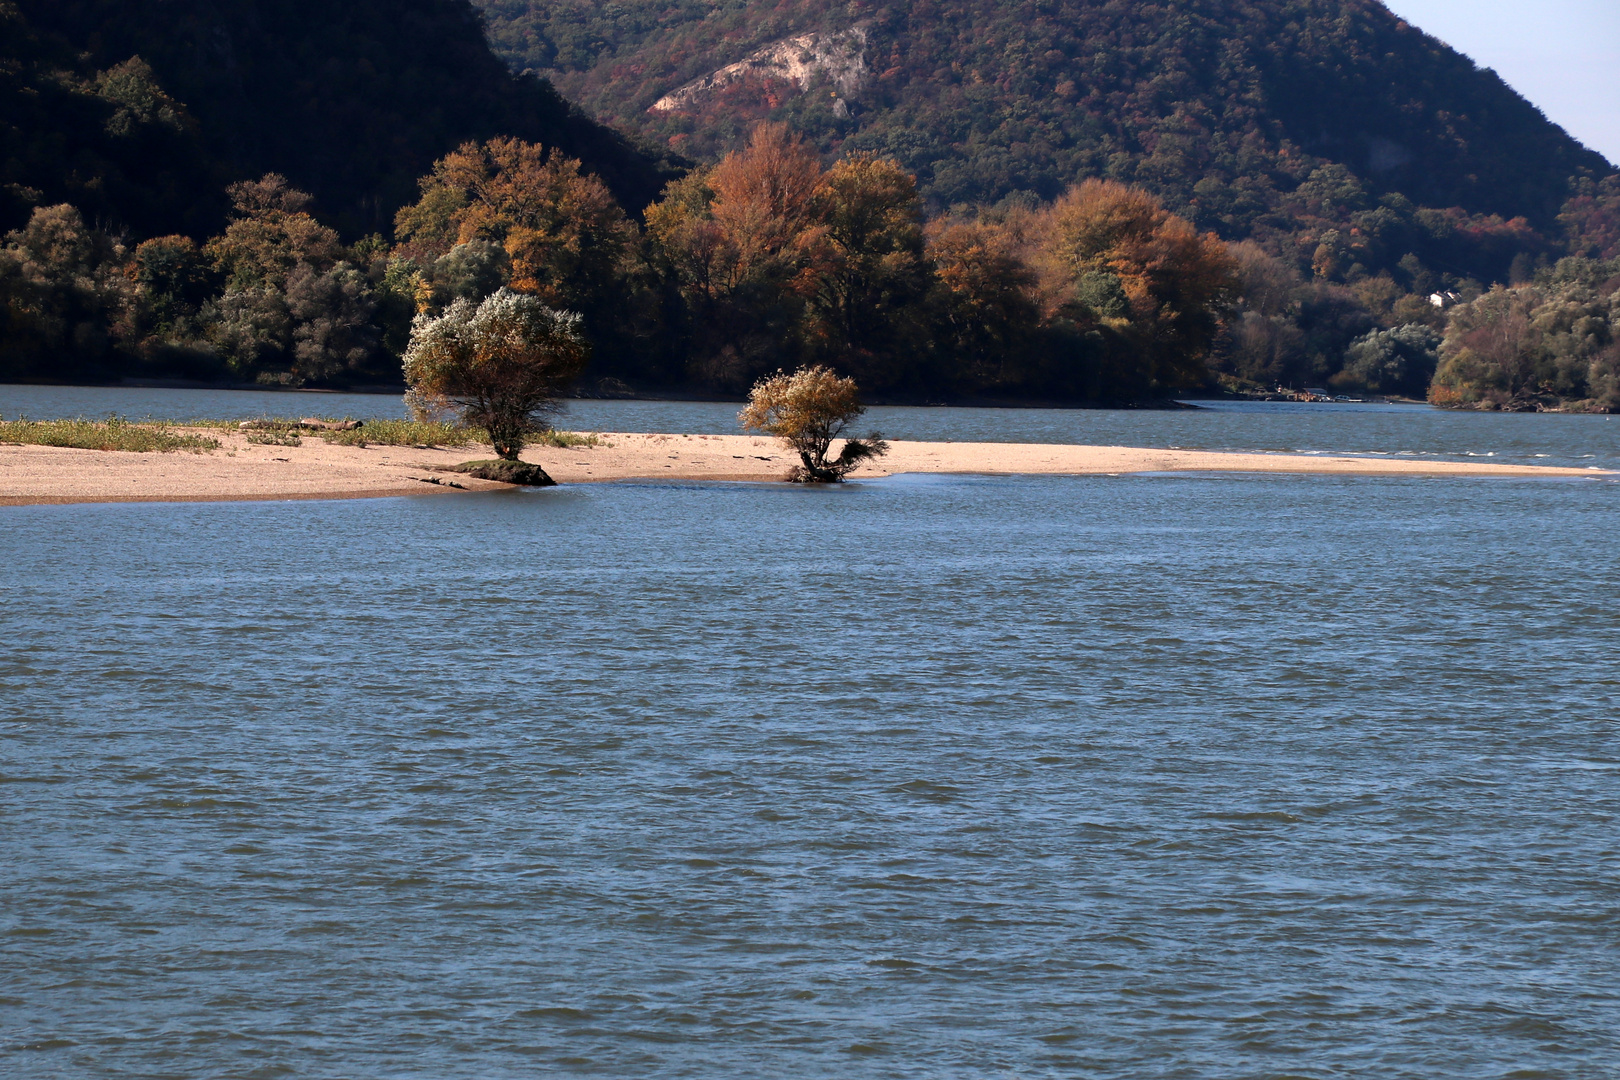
(782, 262)
(773, 261)
(1132, 263)
(810, 410)
(567, 240)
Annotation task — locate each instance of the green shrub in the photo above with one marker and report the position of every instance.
(274, 438)
(404, 433)
(436, 433)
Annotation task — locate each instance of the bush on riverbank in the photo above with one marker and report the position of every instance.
(809, 410)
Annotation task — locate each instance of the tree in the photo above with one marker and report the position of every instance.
(737, 243)
(1398, 361)
(271, 232)
(808, 410)
(65, 298)
(1553, 343)
(1489, 350)
(331, 312)
(132, 88)
(174, 279)
(1133, 261)
(869, 270)
(249, 329)
(699, 254)
(502, 364)
(568, 241)
(984, 300)
(764, 198)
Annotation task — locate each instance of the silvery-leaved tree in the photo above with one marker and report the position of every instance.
(809, 410)
(502, 365)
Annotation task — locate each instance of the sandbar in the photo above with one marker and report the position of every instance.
(240, 470)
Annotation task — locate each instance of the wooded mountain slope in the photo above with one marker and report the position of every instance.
(1223, 107)
(350, 99)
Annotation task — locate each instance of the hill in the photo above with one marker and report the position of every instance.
(351, 99)
(1222, 107)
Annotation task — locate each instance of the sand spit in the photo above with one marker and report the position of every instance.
(317, 470)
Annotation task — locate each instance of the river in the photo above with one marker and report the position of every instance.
(1116, 777)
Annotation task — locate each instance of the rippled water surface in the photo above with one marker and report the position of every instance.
(950, 777)
(1404, 430)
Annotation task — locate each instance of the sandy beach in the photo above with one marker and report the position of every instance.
(317, 470)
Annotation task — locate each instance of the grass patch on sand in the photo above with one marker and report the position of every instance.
(404, 433)
(272, 430)
(274, 438)
(397, 433)
(414, 433)
(566, 439)
(113, 434)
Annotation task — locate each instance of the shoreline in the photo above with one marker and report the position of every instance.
(242, 471)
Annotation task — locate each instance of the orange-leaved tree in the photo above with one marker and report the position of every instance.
(764, 196)
(867, 273)
(737, 241)
(985, 302)
(1134, 266)
(568, 241)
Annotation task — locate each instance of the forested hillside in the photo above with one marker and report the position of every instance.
(141, 113)
(1221, 107)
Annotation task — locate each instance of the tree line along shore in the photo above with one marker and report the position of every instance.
(770, 260)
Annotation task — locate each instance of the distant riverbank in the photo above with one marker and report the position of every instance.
(314, 469)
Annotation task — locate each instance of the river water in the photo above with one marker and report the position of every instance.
(1279, 427)
(1116, 777)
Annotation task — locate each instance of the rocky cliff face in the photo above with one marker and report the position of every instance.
(836, 60)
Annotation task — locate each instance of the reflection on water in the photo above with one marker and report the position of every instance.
(947, 777)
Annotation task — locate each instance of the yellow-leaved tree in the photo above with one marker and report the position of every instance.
(810, 410)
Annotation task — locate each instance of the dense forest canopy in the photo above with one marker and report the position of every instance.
(1222, 107)
(140, 113)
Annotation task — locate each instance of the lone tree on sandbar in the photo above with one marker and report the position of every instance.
(502, 365)
(809, 410)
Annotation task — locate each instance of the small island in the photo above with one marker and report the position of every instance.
(228, 462)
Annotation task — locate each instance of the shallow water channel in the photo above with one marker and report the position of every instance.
(1121, 777)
